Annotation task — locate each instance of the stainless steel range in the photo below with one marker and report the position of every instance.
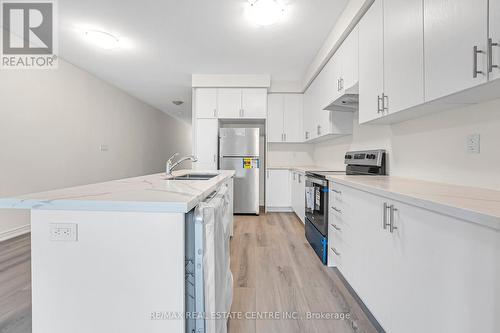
(369, 162)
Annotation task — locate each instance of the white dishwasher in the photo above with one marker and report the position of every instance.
(209, 281)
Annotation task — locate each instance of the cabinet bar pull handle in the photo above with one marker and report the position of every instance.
(335, 227)
(336, 191)
(215, 113)
(385, 224)
(385, 103)
(490, 55)
(391, 225)
(284, 135)
(335, 251)
(379, 100)
(337, 210)
(300, 178)
(475, 52)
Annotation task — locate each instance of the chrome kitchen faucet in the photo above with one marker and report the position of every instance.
(170, 167)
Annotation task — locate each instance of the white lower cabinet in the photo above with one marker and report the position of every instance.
(432, 273)
(278, 190)
(298, 194)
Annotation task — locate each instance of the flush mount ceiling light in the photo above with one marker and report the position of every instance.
(102, 39)
(265, 12)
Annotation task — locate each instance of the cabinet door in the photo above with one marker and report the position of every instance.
(229, 103)
(444, 271)
(332, 74)
(206, 103)
(294, 181)
(206, 143)
(254, 103)
(307, 119)
(371, 62)
(321, 117)
(403, 54)
(275, 118)
(293, 105)
(375, 247)
(349, 61)
(301, 194)
(278, 189)
(452, 29)
(495, 38)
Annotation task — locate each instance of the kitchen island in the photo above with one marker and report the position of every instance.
(110, 257)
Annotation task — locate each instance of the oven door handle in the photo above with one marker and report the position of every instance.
(317, 181)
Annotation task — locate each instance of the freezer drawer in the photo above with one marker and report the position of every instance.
(246, 183)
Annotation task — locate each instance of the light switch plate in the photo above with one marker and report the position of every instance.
(474, 143)
(65, 232)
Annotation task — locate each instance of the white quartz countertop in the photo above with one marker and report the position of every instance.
(481, 206)
(302, 169)
(152, 193)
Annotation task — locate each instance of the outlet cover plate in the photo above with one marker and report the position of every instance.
(64, 232)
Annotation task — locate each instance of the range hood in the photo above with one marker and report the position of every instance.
(348, 101)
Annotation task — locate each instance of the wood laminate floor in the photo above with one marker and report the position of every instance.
(15, 285)
(275, 270)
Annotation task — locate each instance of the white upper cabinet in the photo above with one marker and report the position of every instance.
(234, 103)
(275, 118)
(254, 103)
(229, 103)
(349, 60)
(284, 120)
(371, 63)
(340, 74)
(403, 54)
(307, 119)
(455, 46)
(206, 103)
(494, 43)
(292, 117)
(206, 144)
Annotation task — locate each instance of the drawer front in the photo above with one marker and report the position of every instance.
(334, 259)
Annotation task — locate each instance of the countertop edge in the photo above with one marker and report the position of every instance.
(460, 213)
(115, 206)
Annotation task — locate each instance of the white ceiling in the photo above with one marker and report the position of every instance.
(168, 40)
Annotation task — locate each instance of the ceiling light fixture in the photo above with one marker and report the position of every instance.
(102, 39)
(265, 12)
(177, 102)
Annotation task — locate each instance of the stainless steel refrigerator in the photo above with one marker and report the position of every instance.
(239, 151)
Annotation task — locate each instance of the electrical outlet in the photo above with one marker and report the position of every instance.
(66, 232)
(474, 143)
(103, 148)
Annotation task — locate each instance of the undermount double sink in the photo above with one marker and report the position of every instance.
(195, 176)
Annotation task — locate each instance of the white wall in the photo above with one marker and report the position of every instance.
(289, 154)
(53, 122)
(430, 148)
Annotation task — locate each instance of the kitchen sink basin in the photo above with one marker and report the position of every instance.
(195, 176)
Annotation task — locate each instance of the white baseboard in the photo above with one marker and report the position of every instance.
(8, 234)
(279, 209)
